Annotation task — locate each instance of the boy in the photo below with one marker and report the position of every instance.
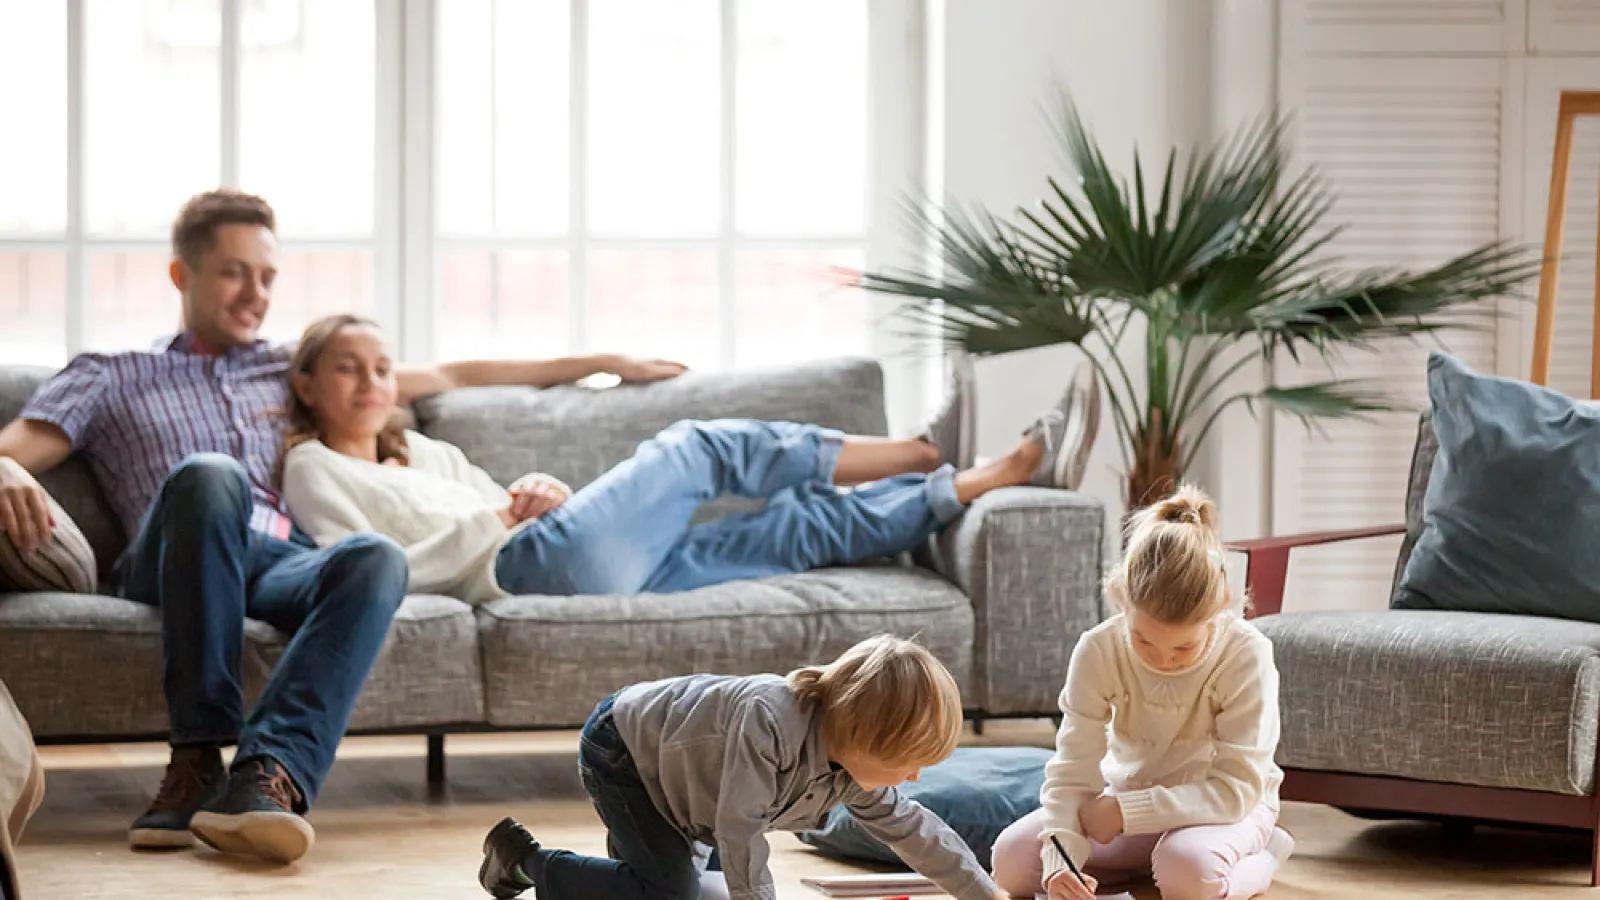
(679, 765)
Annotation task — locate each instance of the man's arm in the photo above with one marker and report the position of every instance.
(416, 382)
(37, 446)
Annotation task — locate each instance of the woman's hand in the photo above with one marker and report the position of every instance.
(1101, 819)
(1066, 886)
(535, 494)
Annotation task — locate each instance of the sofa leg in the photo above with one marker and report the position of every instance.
(435, 760)
(1594, 861)
(977, 725)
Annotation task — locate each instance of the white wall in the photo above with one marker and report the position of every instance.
(1140, 72)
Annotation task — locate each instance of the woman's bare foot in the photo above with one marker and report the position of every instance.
(1011, 470)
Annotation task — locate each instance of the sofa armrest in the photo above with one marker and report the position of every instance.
(1031, 560)
(1267, 561)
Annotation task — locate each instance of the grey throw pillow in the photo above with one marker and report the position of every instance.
(1512, 510)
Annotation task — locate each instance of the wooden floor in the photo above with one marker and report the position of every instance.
(381, 835)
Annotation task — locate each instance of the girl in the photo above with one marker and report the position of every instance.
(678, 766)
(1185, 784)
(352, 467)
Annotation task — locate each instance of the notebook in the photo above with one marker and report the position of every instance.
(905, 884)
(901, 884)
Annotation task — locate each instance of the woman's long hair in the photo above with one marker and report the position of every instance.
(302, 420)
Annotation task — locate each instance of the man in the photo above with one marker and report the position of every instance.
(184, 441)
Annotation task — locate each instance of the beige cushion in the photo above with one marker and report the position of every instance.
(65, 562)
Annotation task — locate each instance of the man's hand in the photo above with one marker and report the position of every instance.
(24, 507)
(633, 370)
(1066, 886)
(535, 494)
(1101, 819)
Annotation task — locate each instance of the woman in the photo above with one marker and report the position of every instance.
(351, 466)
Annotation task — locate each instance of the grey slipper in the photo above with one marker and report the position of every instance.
(1067, 431)
(954, 428)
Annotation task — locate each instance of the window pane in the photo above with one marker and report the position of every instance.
(802, 118)
(33, 105)
(33, 306)
(654, 85)
(655, 303)
(131, 300)
(510, 303)
(311, 285)
(503, 113)
(791, 307)
(151, 133)
(306, 113)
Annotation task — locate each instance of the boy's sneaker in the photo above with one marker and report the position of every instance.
(504, 850)
(1067, 431)
(194, 775)
(954, 428)
(257, 815)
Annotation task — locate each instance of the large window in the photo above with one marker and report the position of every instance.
(487, 177)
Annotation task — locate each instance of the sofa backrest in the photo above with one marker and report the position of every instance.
(576, 433)
(572, 432)
(1422, 454)
(71, 483)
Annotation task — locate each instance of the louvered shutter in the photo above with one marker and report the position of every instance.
(1412, 148)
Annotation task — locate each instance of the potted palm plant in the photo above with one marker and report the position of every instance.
(1223, 267)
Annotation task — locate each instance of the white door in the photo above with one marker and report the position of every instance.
(1564, 26)
(1413, 150)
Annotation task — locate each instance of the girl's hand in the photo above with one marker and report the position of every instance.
(1101, 819)
(1066, 886)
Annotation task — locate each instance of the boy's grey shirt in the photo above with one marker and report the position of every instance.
(727, 759)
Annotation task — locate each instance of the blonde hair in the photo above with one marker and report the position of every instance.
(302, 422)
(1173, 568)
(886, 698)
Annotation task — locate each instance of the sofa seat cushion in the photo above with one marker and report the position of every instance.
(549, 660)
(90, 665)
(428, 673)
(1463, 698)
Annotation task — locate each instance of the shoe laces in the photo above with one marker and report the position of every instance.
(1046, 426)
(275, 784)
(186, 779)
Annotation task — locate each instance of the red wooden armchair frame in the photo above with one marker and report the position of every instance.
(1267, 569)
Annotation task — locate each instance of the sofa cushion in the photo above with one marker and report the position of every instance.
(71, 484)
(63, 561)
(577, 433)
(1464, 698)
(549, 660)
(427, 672)
(1513, 500)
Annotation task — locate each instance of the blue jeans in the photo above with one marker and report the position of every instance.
(197, 559)
(628, 532)
(654, 861)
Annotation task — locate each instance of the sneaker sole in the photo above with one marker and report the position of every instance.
(160, 839)
(1071, 464)
(272, 836)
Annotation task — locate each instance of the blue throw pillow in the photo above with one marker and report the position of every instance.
(978, 791)
(1512, 509)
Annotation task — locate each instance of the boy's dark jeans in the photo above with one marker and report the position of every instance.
(653, 860)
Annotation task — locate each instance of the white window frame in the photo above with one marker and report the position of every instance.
(404, 244)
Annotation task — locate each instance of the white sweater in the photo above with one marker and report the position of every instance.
(1190, 747)
(440, 507)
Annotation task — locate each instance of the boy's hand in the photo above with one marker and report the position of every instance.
(1101, 819)
(1066, 886)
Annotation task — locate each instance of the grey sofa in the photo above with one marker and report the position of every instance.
(1001, 596)
(1443, 715)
